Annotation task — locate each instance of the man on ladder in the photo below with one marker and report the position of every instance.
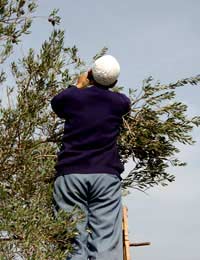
(88, 167)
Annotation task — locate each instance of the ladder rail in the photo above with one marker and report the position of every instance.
(126, 243)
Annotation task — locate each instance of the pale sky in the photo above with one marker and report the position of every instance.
(162, 39)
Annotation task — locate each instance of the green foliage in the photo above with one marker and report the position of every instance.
(15, 21)
(30, 132)
(100, 53)
(28, 149)
(31, 135)
(152, 131)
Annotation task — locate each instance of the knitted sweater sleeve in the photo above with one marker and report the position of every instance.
(60, 101)
(126, 104)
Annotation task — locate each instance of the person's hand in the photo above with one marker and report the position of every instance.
(83, 81)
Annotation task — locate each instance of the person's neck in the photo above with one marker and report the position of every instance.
(99, 85)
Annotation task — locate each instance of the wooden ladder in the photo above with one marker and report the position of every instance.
(126, 243)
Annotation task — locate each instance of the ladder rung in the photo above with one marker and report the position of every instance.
(140, 244)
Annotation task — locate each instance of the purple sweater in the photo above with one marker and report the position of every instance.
(92, 121)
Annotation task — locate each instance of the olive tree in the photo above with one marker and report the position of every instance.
(31, 136)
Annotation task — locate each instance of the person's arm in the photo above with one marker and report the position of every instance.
(60, 101)
(126, 105)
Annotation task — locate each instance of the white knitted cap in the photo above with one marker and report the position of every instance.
(106, 70)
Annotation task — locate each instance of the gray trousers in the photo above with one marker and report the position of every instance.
(99, 196)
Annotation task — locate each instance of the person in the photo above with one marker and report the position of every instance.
(88, 168)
